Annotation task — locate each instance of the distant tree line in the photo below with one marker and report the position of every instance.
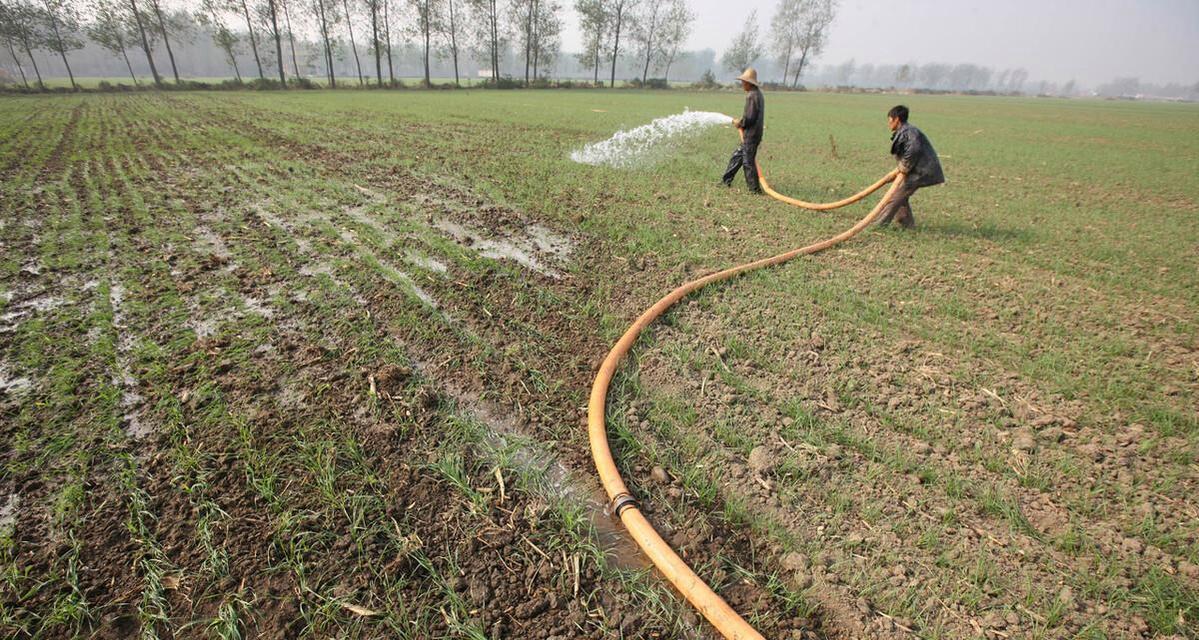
(149, 34)
(369, 43)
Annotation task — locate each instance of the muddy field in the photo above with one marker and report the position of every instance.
(316, 365)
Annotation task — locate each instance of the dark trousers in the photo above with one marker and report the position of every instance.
(745, 157)
(898, 208)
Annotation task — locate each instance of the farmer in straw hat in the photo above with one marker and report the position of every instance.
(750, 124)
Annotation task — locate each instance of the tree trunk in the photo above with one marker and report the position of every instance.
(291, 36)
(353, 46)
(454, 42)
(616, 42)
(36, 71)
(787, 65)
(537, 57)
(495, 43)
(803, 57)
(253, 40)
(62, 52)
(595, 60)
(649, 47)
(320, 6)
(536, 43)
(130, 67)
(278, 42)
(649, 52)
(528, 38)
(428, 27)
(141, 29)
(391, 74)
(375, 35)
(162, 27)
(13, 52)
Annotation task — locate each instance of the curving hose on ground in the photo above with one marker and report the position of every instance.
(819, 206)
(624, 506)
(825, 206)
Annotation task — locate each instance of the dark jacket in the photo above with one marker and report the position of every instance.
(754, 116)
(916, 157)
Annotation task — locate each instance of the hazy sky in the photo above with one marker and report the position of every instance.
(1091, 41)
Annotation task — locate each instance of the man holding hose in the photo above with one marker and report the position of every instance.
(750, 124)
(918, 163)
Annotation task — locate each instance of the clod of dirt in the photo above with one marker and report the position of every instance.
(1133, 546)
(659, 475)
(1189, 570)
(795, 561)
(480, 592)
(390, 378)
(1024, 440)
(1053, 434)
(761, 460)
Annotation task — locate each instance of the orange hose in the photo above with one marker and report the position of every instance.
(698, 593)
(819, 206)
(825, 206)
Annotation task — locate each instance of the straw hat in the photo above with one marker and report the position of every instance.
(750, 76)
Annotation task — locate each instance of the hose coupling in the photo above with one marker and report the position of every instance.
(622, 501)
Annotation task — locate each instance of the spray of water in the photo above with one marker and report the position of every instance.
(632, 146)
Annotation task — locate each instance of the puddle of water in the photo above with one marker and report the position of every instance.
(206, 239)
(272, 220)
(425, 262)
(12, 385)
(135, 428)
(347, 236)
(547, 241)
(557, 481)
(399, 277)
(359, 214)
(202, 328)
(259, 307)
(521, 250)
(16, 313)
(318, 269)
(326, 269)
(292, 396)
(116, 297)
(8, 511)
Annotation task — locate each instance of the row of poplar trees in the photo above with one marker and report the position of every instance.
(650, 33)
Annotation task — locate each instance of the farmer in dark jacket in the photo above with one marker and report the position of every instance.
(750, 123)
(918, 164)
